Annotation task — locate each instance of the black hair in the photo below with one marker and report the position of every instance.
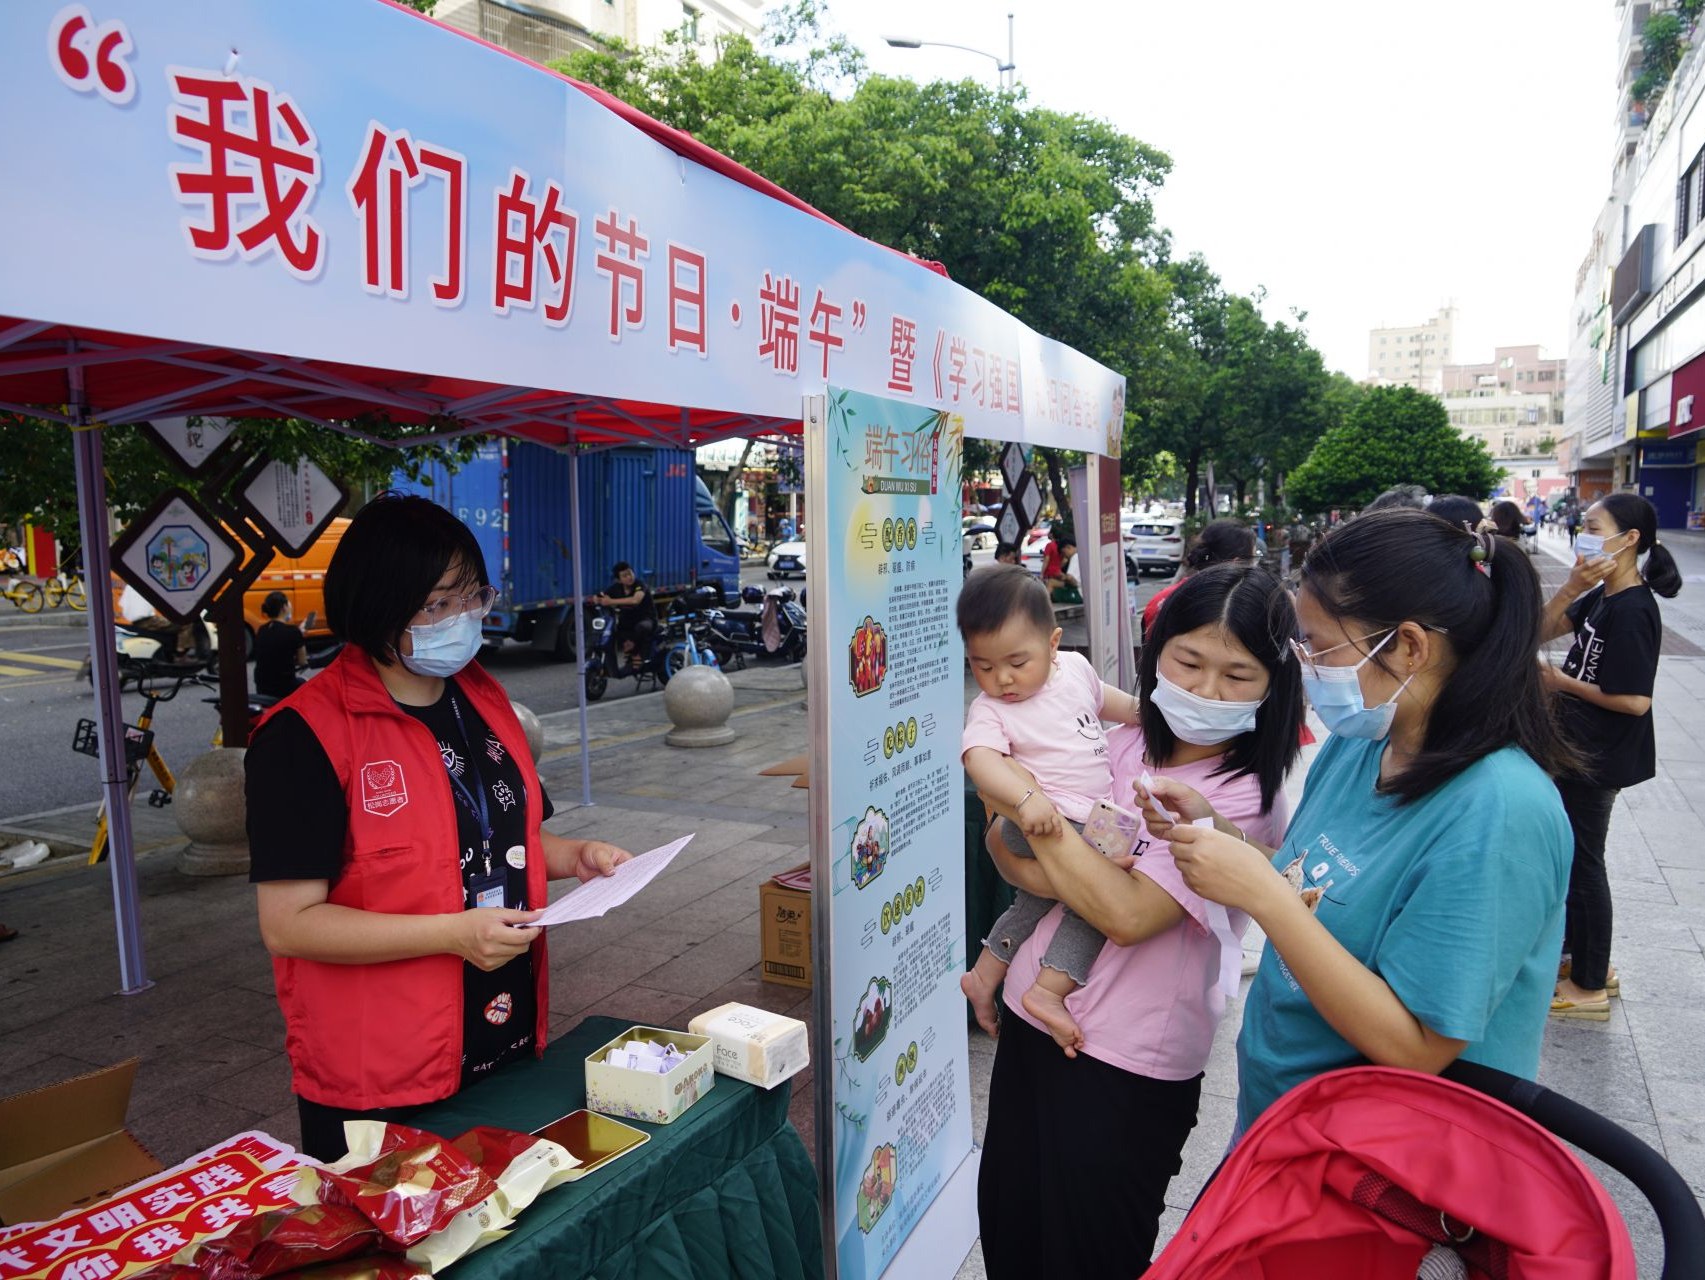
(617, 568)
(1064, 534)
(1251, 606)
(1220, 542)
(1464, 513)
(994, 594)
(274, 603)
(386, 565)
(1399, 495)
(1508, 519)
(1006, 549)
(1632, 512)
(1389, 567)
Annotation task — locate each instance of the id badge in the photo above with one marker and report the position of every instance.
(487, 890)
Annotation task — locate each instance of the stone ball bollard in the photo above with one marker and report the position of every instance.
(699, 701)
(211, 809)
(532, 728)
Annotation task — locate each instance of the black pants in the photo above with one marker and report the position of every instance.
(1076, 1160)
(1588, 917)
(322, 1126)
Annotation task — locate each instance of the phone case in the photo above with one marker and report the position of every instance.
(1111, 829)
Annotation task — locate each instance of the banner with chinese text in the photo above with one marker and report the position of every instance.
(887, 817)
(351, 182)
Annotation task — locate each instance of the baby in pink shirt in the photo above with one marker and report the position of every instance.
(1042, 710)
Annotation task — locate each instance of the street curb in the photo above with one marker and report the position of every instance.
(46, 618)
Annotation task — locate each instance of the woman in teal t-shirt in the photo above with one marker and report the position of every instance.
(1416, 906)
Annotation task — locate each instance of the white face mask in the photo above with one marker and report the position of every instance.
(1202, 722)
(444, 648)
(1589, 546)
(1336, 694)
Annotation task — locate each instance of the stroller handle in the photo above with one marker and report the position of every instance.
(1679, 1217)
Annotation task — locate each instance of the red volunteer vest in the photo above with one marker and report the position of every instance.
(390, 1035)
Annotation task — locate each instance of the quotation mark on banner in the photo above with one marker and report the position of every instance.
(859, 314)
(92, 58)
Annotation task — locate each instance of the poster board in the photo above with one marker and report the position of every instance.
(887, 799)
(291, 502)
(176, 554)
(195, 445)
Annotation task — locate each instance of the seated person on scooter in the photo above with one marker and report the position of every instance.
(636, 614)
(279, 649)
(178, 643)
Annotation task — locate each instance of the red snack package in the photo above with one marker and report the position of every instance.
(412, 1188)
(370, 1266)
(285, 1240)
(171, 1271)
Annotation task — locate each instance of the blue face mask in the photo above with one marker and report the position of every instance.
(1336, 695)
(444, 648)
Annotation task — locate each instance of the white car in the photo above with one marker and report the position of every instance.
(1155, 543)
(786, 558)
(985, 537)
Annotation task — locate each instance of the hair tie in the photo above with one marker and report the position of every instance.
(1484, 548)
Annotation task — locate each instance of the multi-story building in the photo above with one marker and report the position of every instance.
(1637, 355)
(546, 30)
(1514, 405)
(1412, 355)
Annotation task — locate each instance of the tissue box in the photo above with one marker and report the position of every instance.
(645, 1095)
(754, 1045)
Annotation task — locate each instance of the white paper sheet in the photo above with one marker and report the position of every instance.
(595, 897)
(1148, 785)
(1231, 943)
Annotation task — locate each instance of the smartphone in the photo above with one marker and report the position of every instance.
(592, 1139)
(308, 622)
(1111, 829)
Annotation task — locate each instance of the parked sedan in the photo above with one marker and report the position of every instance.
(1155, 544)
(786, 558)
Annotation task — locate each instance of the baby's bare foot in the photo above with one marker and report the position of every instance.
(1050, 1010)
(981, 993)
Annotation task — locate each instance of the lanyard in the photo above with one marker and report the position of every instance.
(474, 801)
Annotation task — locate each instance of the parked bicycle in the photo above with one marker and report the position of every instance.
(65, 588)
(26, 595)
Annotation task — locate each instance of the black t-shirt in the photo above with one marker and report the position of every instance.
(276, 646)
(298, 818)
(1616, 647)
(629, 616)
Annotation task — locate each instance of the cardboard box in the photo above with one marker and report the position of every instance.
(786, 925)
(754, 1045)
(647, 1095)
(66, 1145)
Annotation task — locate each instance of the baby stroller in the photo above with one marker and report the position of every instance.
(1378, 1172)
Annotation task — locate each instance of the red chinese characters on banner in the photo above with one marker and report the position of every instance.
(956, 358)
(687, 291)
(391, 164)
(528, 232)
(146, 1225)
(256, 171)
(778, 316)
(619, 262)
(824, 315)
(902, 352)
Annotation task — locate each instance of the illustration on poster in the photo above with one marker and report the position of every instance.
(177, 557)
(876, 1188)
(869, 847)
(868, 654)
(874, 1016)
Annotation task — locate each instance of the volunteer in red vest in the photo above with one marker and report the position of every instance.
(394, 834)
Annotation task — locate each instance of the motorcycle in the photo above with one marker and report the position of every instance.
(604, 660)
(775, 629)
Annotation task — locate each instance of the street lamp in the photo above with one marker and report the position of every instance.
(1006, 69)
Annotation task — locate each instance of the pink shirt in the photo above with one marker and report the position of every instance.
(1055, 733)
(1152, 1008)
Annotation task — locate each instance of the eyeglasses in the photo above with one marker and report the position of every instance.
(479, 603)
(1310, 658)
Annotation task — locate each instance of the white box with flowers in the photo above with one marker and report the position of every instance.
(657, 1098)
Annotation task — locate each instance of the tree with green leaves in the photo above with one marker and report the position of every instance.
(1393, 435)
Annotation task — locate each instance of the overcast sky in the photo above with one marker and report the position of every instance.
(1364, 160)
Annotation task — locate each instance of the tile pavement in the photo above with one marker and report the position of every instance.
(210, 1035)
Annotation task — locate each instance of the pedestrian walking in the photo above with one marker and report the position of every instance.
(1604, 690)
(1415, 906)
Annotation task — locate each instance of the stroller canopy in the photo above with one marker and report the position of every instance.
(1360, 1172)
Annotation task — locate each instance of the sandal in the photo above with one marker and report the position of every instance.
(1591, 1011)
(1612, 979)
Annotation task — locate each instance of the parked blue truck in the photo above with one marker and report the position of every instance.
(645, 506)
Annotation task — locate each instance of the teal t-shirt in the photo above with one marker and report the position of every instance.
(1456, 900)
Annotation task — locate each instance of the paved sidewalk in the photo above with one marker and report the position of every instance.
(211, 1039)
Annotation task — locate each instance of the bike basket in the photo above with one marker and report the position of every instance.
(137, 741)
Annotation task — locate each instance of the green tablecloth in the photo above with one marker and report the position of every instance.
(727, 1190)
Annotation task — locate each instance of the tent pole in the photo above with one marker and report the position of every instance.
(579, 615)
(109, 705)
